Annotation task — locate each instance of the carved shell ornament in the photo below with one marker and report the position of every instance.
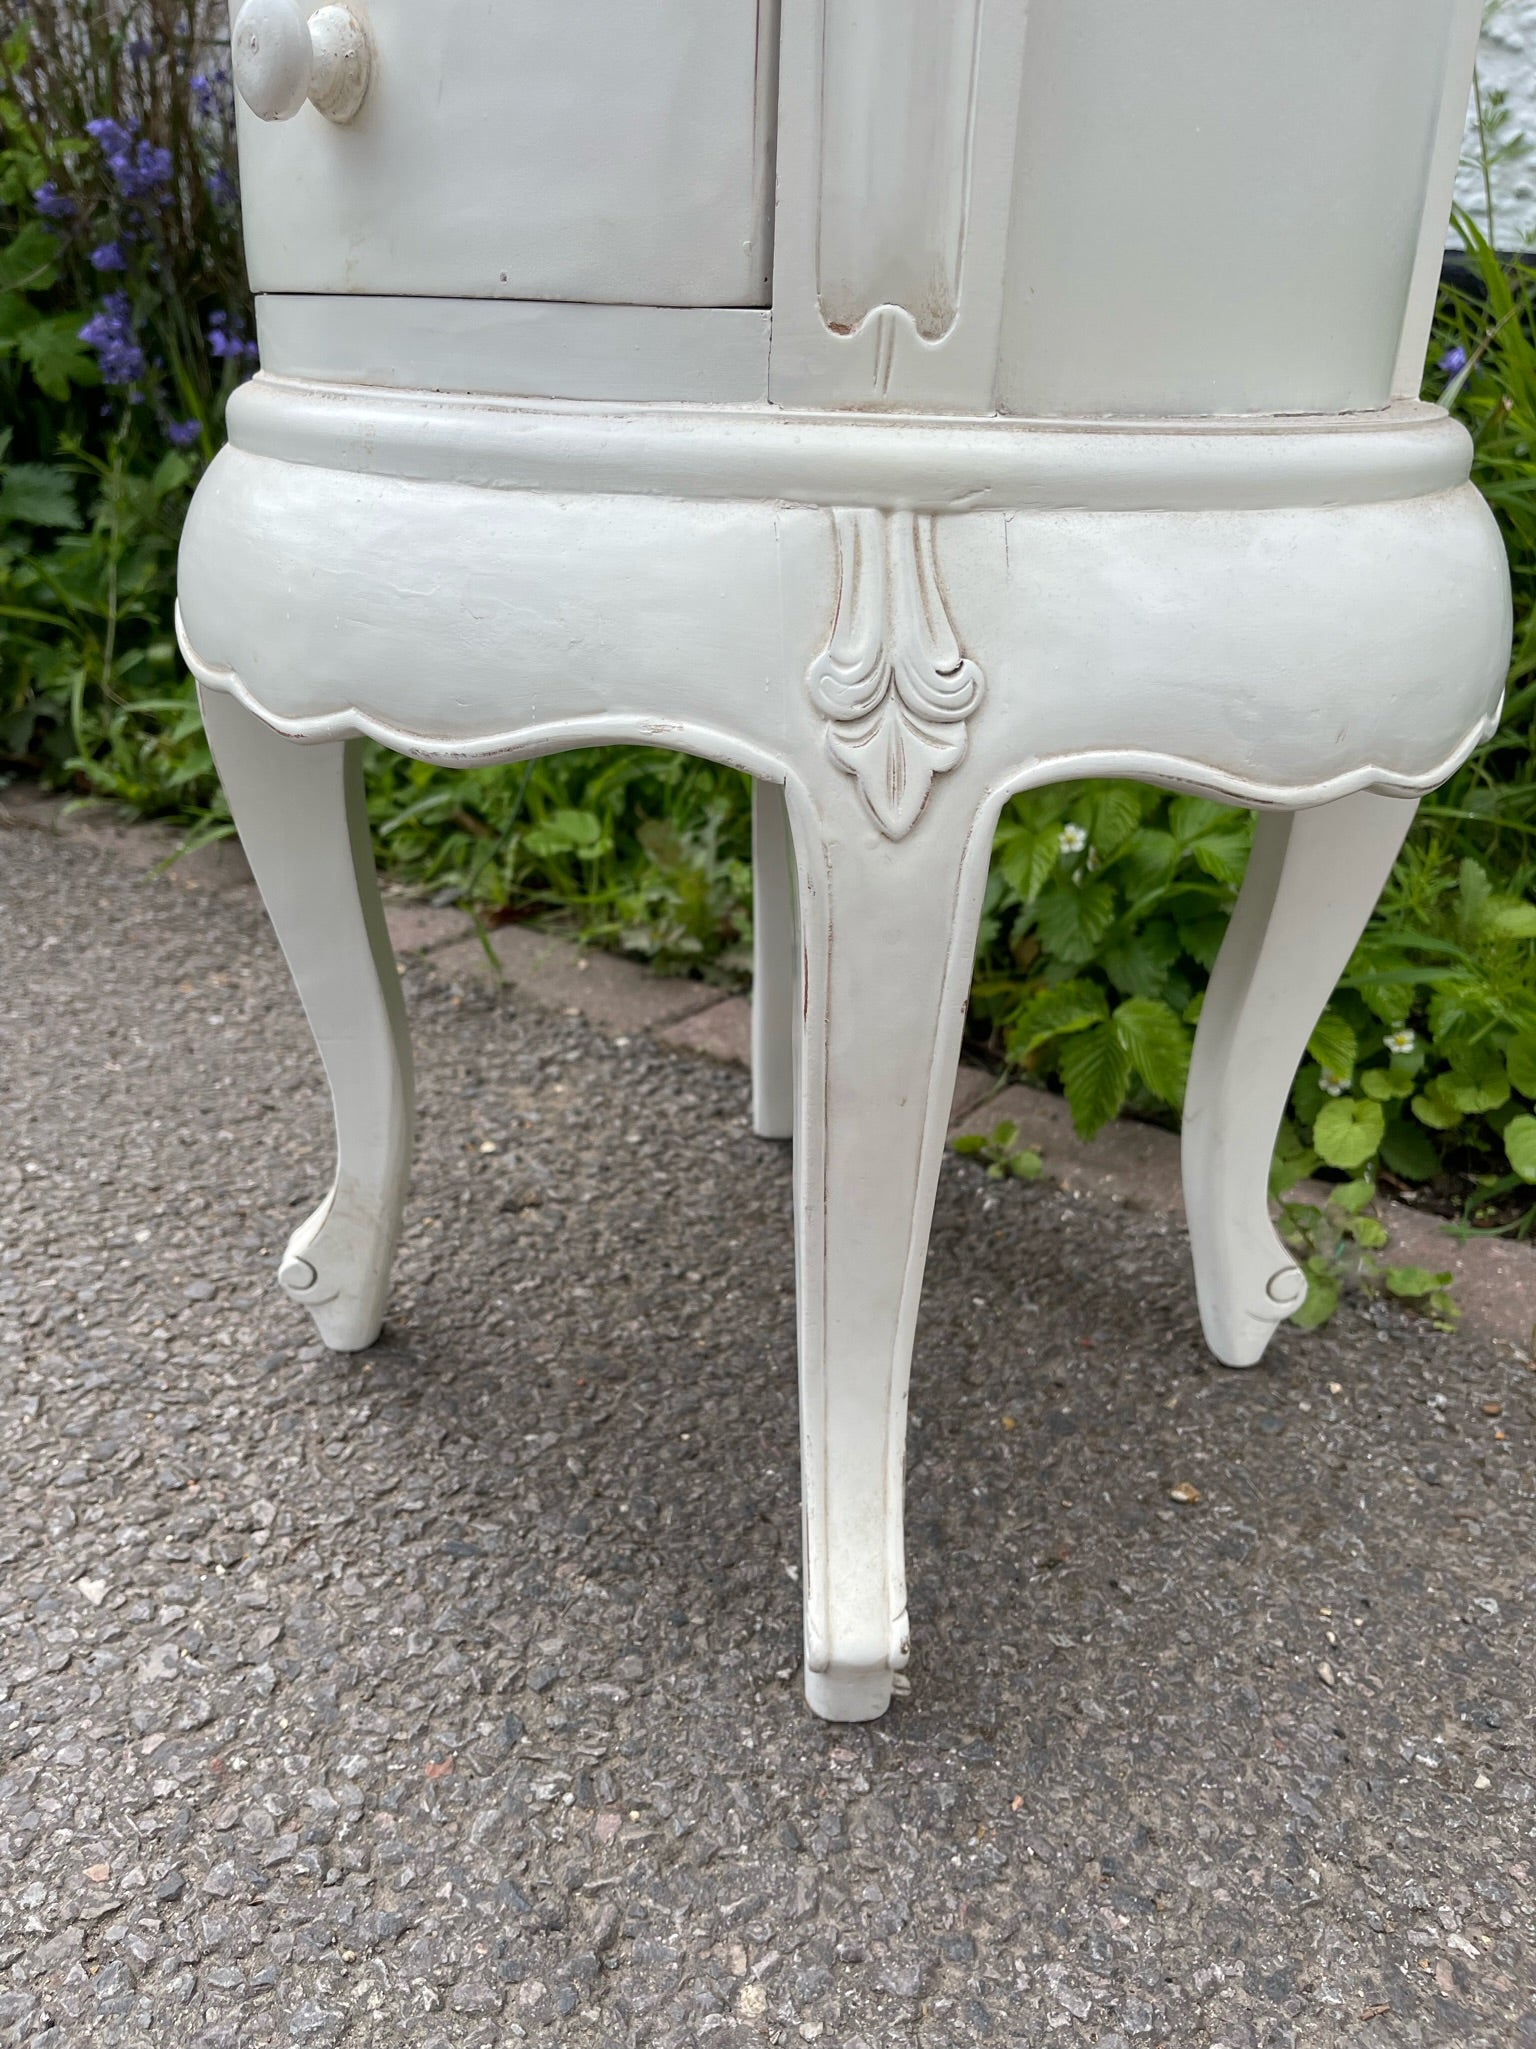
(892, 683)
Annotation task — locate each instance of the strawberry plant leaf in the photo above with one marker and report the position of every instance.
(1096, 1073)
(1157, 1043)
(1348, 1131)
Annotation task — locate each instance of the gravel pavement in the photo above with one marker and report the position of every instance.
(447, 1694)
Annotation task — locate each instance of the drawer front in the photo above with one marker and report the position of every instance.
(616, 151)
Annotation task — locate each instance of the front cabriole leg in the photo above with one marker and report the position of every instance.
(300, 812)
(891, 858)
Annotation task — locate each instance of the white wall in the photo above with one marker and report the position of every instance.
(1507, 64)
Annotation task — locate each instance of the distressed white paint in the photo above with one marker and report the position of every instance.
(1250, 575)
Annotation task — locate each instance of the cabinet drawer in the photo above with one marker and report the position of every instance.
(617, 151)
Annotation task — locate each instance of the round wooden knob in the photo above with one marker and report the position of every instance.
(281, 59)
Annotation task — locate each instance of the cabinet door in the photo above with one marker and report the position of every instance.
(1217, 203)
(618, 151)
(1110, 207)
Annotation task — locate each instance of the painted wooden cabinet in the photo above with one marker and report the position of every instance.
(962, 206)
(910, 402)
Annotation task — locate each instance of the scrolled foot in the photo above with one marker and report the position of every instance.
(337, 1267)
(1240, 1320)
(849, 1693)
(846, 1692)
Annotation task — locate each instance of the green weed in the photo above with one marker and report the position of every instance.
(1000, 1152)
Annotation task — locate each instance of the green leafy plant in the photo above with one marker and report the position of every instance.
(1106, 905)
(122, 265)
(1337, 1242)
(647, 851)
(1427, 1054)
(121, 312)
(1000, 1152)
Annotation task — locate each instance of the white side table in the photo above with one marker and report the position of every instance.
(908, 404)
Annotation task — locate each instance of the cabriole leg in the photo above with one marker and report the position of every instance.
(889, 932)
(1312, 883)
(775, 969)
(300, 813)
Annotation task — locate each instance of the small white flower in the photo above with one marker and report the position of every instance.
(1073, 839)
(1332, 1084)
(1400, 1041)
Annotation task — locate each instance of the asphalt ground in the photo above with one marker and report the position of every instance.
(447, 1694)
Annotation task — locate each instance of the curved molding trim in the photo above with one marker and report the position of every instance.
(519, 743)
(898, 89)
(897, 146)
(1207, 779)
(1406, 450)
(892, 683)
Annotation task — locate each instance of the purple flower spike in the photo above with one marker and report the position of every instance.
(210, 96)
(109, 256)
(111, 135)
(222, 344)
(182, 433)
(145, 172)
(1454, 360)
(138, 168)
(52, 204)
(110, 333)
